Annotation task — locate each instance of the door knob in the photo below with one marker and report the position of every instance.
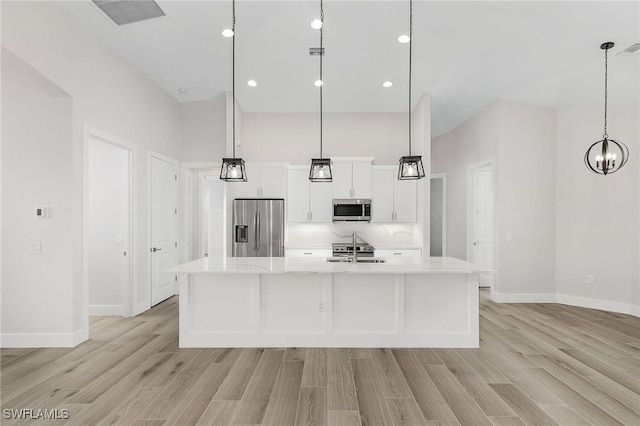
(155, 249)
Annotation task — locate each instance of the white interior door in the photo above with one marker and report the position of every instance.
(109, 214)
(164, 227)
(482, 237)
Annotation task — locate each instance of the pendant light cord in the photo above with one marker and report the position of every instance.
(410, 54)
(321, 80)
(606, 60)
(233, 78)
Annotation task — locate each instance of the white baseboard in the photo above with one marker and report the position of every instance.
(141, 307)
(45, 340)
(105, 310)
(603, 305)
(566, 299)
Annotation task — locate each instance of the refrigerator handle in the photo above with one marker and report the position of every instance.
(257, 231)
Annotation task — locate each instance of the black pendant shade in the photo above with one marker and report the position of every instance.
(233, 169)
(411, 165)
(606, 156)
(320, 170)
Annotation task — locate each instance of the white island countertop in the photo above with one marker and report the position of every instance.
(298, 265)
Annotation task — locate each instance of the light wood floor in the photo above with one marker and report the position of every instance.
(537, 364)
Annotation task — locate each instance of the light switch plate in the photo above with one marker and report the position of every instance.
(35, 247)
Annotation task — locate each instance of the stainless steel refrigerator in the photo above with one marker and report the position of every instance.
(258, 227)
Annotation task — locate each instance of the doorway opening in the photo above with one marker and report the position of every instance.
(438, 215)
(108, 225)
(480, 219)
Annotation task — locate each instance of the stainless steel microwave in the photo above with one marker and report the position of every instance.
(351, 210)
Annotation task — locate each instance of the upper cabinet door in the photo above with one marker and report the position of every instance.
(250, 188)
(273, 182)
(262, 182)
(298, 196)
(382, 195)
(406, 200)
(342, 185)
(361, 175)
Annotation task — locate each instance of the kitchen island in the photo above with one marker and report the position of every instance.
(309, 302)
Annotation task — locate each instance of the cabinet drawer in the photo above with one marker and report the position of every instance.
(402, 252)
(308, 252)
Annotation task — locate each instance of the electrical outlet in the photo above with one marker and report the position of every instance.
(589, 279)
(321, 306)
(35, 247)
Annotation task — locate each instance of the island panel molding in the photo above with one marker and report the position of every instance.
(308, 302)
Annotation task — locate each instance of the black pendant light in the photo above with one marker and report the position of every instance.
(233, 169)
(410, 165)
(606, 156)
(321, 167)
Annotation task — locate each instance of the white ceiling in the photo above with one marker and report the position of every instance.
(466, 54)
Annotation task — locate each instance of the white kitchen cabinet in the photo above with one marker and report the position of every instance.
(308, 252)
(307, 202)
(393, 200)
(263, 181)
(398, 252)
(351, 178)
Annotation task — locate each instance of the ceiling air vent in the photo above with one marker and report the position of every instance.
(631, 49)
(124, 12)
(315, 51)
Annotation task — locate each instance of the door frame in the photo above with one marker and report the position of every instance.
(490, 162)
(128, 288)
(443, 176)
(190, 201)
(153, 154)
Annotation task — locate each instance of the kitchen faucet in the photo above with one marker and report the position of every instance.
(355, 248)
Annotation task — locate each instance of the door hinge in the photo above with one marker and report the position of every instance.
(175, 211)
(175, 245)
(176, 278)
(175, 177)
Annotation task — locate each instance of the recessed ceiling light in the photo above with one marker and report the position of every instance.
(227, 33)
(318, 83)
(387, 83)
(316, 24)
(252, 83)
(183, 90)
(403, 38)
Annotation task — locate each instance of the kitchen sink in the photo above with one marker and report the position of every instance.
(360, 260)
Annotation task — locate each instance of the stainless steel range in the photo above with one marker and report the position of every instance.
(363, 249)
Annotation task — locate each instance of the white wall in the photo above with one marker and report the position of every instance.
(519, 139)
(566, 222)
(473, 141)
(37, 169)
(108, 94)
(598, 216)
(297, 137)
(525, 198)
(109, 199)
(204, 130)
